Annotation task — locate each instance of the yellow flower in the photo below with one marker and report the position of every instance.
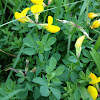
(93, 92)
(36, 9)
(37, 2)
(78, 44)
(22, 14)
(92, 15)
(79, 41)
(95, 24)
(94, 79)
(51, 28)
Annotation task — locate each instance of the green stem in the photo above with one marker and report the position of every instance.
(69, 43)
(36, 31)
(45, 19)
(87, 12)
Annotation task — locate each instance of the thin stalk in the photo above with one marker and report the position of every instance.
(8, 53)
(45, 19)
(36, 31)
(1, 7)
(87, 12)
(69, 43)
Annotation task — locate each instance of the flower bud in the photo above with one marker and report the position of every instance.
(78, 44)
(95, 24)
(92, 15)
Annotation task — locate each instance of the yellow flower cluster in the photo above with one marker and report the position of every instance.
(96, 23)
(93, 89)
(36, 9)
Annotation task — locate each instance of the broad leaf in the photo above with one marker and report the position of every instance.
(39, 80)
(55, 92)
(44, 91)
(52, 63)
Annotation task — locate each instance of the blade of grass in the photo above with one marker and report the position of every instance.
(83, 7)
(1, 8)
(96, 58)
(97, 44)
(12, 94)
(87, 12)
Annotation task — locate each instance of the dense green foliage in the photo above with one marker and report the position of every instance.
(38, 65)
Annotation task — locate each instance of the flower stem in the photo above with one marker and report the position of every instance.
(36, 31)
(69, 43)
(87, 12)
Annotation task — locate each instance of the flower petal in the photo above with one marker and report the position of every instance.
(93, 92)
(24, 12)
(37, 8)
(52, 28)
(50, 20)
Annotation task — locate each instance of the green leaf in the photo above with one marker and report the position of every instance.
(84, 93)
(29, 51)
(74, 76)
(41, 57)
(28, 41)
(52, 63)
(39, 26)
(31, 25)
(72, 59)
(44, 91)
(55, 92)
(51, 41)
(10, 85)
(48, 70)
(38, 70)
(55, 80)
(57, 56)
(15, 28)
(50, 76)
(40, 48)
(21, 80)
(44, 38)
(20, 75)
(97, 44)
(47, 48)
(59, 70)
(77, 95)
(96, 58)
(85, 60)
(83, 7)
(39, 80)
(16, 23)
(86, 53)
(36, 93)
